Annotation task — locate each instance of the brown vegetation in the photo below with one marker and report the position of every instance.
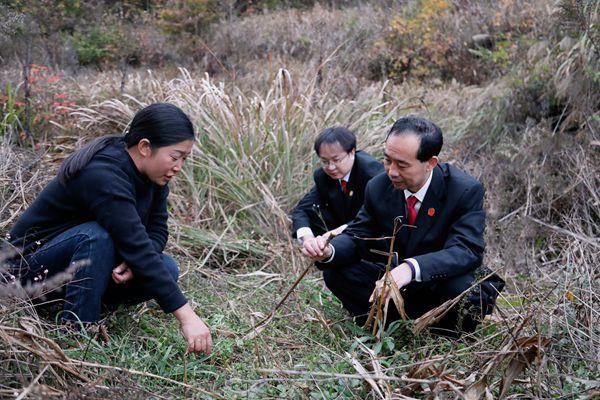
(529, 131)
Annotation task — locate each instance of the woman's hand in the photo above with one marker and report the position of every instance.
(122, 273)
(194, 330)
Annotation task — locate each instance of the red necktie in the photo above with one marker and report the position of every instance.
(411, 210)
(344, 187)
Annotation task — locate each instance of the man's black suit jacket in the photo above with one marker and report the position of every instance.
(325, 207)
(448, 238)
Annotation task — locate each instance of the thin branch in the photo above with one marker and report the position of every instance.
(564, 231)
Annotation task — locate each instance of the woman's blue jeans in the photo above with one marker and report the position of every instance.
(90, 245)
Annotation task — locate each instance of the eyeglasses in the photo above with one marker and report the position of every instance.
(334, 163)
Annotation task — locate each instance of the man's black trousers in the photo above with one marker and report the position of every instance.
(353, 285)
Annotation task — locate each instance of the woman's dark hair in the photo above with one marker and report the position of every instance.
(162, 124)
(336, 134)
(429, 134)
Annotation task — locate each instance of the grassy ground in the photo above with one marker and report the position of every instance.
(308, 350)
(531, 136)
(230, 236)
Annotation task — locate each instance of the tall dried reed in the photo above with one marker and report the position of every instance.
(253, 156)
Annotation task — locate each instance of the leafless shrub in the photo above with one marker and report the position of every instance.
(20, 179)
(39, 287)
(292, 36)
(10, 23)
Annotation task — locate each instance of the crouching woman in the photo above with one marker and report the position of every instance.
(106, 211)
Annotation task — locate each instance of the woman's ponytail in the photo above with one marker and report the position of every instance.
(78, 160)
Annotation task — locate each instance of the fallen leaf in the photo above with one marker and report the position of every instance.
(522, 359)
(365, 375)
(569, 295)
(477, 390)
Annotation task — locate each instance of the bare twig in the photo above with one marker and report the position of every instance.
(564, 231)
(347, 376)
(28, 389)
(437, 313)
(378, 312)
(146, 374)
(254, 331)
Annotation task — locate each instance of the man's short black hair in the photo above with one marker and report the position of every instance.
(337, 134)
(429, 134)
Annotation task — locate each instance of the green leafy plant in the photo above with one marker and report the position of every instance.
(11, 112)
(96, 46)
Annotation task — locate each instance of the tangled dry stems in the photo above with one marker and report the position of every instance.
(231, 203)
(546, 321)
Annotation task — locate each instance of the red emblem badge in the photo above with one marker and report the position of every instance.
(431, 212)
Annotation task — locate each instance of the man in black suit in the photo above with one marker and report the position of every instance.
(339, 187)
(437, 255)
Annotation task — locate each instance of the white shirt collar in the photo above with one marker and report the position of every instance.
(346, 177)
(420, 195)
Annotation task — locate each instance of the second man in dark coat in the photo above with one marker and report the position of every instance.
(338, 192)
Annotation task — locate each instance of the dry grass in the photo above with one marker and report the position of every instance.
(253, 150)
(230, 209)
(229, 225)
(301, 41)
